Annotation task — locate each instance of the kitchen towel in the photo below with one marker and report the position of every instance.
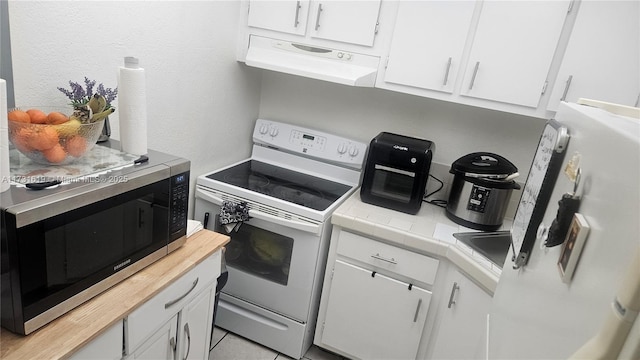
(132, 107)
(5, 176)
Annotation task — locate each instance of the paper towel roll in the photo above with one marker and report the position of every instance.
(5, 175)
(132, 107)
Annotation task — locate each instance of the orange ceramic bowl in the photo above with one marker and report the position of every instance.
(52, 144)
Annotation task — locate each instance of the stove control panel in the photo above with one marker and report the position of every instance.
(309, 142)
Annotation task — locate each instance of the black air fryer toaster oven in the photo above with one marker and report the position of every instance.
(396, 172)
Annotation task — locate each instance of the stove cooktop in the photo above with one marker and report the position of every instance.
(288, 185)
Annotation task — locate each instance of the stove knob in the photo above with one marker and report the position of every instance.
(273, 132)
(353, 151)
(342, 148)
(263, 129)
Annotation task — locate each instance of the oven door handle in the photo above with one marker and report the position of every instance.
(290, 223)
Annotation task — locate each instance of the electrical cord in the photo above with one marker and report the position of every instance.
(436, 202)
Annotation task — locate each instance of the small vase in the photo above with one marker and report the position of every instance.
(106, 131)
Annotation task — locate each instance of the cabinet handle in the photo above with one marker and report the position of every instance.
(391, 261)
(475, 72)
(415, 317)
(173, 344)
(566, 88)
(296, 22)
(172, 302)
(186, 330)
(453, 293)
(318, 16)
(637, 101)
(446, 73)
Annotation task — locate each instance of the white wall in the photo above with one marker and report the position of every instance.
(201, 103)
(362, 113)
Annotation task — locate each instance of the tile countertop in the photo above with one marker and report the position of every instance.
(429, 232)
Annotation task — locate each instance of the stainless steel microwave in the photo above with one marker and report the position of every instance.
(62, 246)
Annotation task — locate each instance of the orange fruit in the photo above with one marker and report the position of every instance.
(44, 139)
(76, 146)
(37, 116)
(19, 116)
(21, 139)
(55, 155)
(56, 118)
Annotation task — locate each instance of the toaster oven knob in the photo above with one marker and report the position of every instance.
(353, 151)
(342, 148)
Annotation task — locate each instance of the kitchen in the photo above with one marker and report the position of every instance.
(195, 82)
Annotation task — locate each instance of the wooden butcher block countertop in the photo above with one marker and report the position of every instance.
(68, 333)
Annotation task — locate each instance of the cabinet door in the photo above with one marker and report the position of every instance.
(373, 316)
(463, 318)
(352, 22)
(428, 41)
(512, 50)
(107, 345)
(287, 16)
(161, 345)
(196, 320)
(602, 57)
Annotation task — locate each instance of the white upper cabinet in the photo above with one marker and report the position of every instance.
(428, 43)
(602, 60)
(286, 16)
(353, 22)
(512, 50)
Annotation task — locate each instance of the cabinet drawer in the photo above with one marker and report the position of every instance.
(155, 312)
(400, 261)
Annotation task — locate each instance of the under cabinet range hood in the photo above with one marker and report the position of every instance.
(332, 65)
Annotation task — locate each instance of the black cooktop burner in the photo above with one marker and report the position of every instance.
(284, 184)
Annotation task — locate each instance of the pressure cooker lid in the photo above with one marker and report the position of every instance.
(483, 164)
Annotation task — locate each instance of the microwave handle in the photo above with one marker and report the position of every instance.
(298, 225)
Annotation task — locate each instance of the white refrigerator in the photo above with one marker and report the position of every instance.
(592, 314)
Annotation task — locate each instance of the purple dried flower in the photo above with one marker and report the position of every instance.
(89, 85)
(80, 95)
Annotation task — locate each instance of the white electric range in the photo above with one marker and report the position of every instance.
(294, 180)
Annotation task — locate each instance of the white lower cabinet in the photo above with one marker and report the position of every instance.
(186, 333)
(375, 300)
(374, 316)
(460, 332)
(177, 322)
(161, 345)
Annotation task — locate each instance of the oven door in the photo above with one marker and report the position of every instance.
(271, 260)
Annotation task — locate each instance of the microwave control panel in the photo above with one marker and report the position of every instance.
(179, 202)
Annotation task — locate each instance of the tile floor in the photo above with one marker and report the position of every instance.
(230, 346)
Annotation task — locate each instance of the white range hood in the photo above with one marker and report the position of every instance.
(332, 65)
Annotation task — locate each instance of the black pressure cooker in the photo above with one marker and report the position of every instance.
(481, 189)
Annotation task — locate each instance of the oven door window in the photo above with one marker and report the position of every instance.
(392, 183)
(259, 252)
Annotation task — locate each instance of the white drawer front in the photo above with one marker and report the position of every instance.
(143, 321)
(400, 261)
